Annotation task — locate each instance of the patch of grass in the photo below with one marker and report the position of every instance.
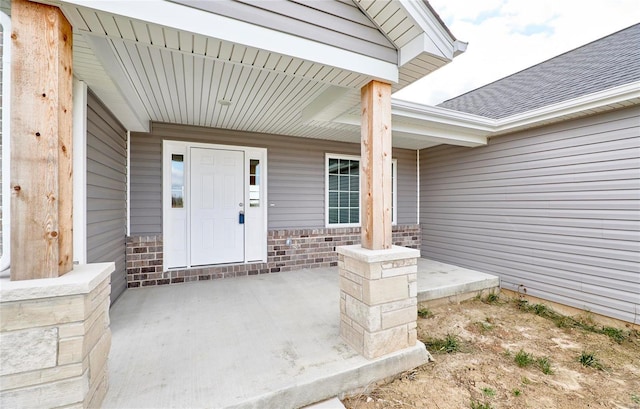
(448, 344)
(492, 298)
(588, 359)
(563, 321)
(480, 405)
(635, 398)
(615, 334)
(524, 359)
(516, 392)
(488, 392)
(424, 312)
(545, 365)
(483, 326)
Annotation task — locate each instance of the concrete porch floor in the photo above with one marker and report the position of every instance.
(266, 341)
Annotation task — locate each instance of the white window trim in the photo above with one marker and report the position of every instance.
(327, 156)
(79, 171)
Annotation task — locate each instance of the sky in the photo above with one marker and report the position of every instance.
(507, 36)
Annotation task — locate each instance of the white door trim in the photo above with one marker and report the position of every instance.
(170, 147)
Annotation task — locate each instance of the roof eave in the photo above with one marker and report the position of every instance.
(429, 117)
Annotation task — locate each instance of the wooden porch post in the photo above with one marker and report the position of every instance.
(41, 122)
(375, 172)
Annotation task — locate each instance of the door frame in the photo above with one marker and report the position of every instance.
(170, 147)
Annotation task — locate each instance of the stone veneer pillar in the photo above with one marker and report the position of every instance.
(55, 339)
(378, 299)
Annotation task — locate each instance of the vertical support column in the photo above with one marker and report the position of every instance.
(375, 171)
(378, 281)
(41, 142)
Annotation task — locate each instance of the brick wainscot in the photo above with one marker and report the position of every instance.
(287, 249)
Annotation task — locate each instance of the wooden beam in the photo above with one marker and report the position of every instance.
(41, 123)
(375, 168)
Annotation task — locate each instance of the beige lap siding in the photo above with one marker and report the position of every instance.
(309, 248)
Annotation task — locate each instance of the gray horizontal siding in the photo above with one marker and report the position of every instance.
(331, 22)
(555, 210)
(106, 191)
(296, 169)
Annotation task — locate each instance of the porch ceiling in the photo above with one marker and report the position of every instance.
(146, 72)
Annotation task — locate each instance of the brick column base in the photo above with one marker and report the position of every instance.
(378, 299)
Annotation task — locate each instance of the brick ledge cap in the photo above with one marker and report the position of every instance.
(373, 256)
(82, 279)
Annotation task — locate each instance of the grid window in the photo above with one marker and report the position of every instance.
(343, 190)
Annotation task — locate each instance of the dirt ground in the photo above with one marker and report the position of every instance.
(484, 374)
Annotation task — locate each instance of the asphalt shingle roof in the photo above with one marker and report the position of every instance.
(605, 63)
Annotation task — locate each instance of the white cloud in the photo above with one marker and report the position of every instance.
(507, 36)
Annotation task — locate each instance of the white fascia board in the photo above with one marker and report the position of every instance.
(441, 115)
(437, 138)
(420, 44)
(592, 101)
(422, 16)
(224, 28)
(441, 134)
(437, 117)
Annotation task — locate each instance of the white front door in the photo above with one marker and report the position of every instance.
(217, 199)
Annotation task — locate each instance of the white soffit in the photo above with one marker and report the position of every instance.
(225, 29)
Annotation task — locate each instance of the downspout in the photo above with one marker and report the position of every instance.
(5, 260)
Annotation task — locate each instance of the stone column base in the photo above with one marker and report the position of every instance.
(55, 339)
(378, 299)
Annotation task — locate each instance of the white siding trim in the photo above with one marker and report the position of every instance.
(5, 260)
(418, 186)
(128, 183)
(79, 171)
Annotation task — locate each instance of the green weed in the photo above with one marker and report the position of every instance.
(488, 392)
(516, 392)
(589, 359)
(563, 321)
(523, 359)
(447, 345)
(544, 365)
(424, 312)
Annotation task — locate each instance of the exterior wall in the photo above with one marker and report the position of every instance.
(308, 248)
(106, 191)
(553, 211)
(296, 179)
(337, 23)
